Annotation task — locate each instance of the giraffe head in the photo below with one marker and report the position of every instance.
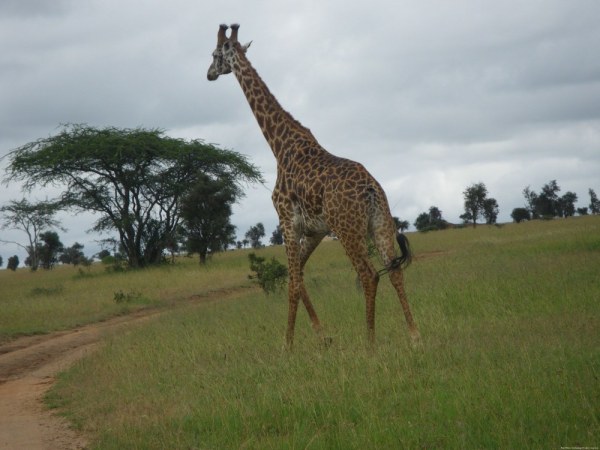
(224, 54)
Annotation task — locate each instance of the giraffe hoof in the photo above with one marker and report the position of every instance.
(415, 339)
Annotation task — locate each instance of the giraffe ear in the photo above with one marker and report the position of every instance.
(246, 47)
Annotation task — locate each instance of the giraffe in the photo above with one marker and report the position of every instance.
(317, 192)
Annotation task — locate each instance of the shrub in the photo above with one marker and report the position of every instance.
(270, 275)
(122, 297)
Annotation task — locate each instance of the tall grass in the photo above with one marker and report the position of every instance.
(67, 297)
(510, 356)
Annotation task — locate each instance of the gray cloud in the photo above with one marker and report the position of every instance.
(430, 96)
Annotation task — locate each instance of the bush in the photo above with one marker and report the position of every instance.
(126, 297)
(270, 275)
(114, 264)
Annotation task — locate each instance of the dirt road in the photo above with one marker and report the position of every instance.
(28, 367)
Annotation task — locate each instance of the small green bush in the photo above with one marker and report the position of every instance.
(122, 297)
(270, 275)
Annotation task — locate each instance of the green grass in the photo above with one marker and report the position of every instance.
(510, 356)
(67, 297)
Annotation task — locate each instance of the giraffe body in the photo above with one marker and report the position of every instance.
(317, 192)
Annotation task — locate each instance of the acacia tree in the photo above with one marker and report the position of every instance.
(133, 179)
(33, 219)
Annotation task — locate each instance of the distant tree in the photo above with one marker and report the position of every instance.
(548, 200)
(277, 236)
(432, 220)
(422, 222)
(49, 250)
(173, 245)
(1, 261)
(566, 204)
(33, 219)
(206, 213)
(520, 215)
(490, 210)
(73, 255)
(582, 211)
(13, 263)
(531, 199)
(133, 179)
(474, 197)
(255, 234)
(594, 202)
(401, 225)
(547, 203)
(103, 254)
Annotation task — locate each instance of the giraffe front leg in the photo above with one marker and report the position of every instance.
(297, 291)
(307, 246)
(293, 297)
(295, 287)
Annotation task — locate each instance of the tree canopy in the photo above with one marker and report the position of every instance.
(133, 179)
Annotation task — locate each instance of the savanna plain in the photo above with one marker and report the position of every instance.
(510, 353)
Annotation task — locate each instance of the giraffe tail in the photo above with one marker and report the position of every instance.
(405, 257)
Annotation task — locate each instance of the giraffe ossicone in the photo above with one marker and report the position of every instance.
(317, 193)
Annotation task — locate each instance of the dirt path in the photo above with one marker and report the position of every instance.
(28, 367)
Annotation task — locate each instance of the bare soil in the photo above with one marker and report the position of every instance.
(28, 368)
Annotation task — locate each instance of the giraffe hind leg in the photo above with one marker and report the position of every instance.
(397, 279)
(382, 232)
(369, 278)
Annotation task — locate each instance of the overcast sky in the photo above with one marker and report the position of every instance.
(430, 95)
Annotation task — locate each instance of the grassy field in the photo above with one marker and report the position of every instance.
(510, 356)
(68, 297)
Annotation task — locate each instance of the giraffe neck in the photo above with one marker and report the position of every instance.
(278, 126)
